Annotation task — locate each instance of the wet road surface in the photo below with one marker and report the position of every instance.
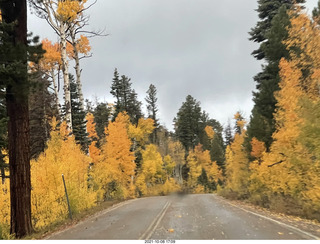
(181, 217)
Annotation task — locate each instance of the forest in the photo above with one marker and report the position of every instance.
(115, 150)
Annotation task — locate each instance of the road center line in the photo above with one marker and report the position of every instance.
(146, 235)
(273, 220)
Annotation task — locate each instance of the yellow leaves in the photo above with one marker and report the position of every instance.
(209, 131)
(94, 152)
(258, 148)
(69, 10)
(52, 57)
(237, 165)
(62, 156)
(117, 163)
(152, 165)
(83, 45)
(142, 131)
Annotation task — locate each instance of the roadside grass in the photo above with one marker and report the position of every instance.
(76, 218)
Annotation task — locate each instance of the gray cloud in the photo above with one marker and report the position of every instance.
(183, 47)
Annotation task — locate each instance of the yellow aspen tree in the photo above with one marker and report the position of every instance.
(152, 171)
(293, 167)
(141, 132)
(195, 169)
(50, 64)
(116, 169)
(237, 164)
(210, 168)
(62, 156)
(177, 153)
(169, 166)
(258, 172)
(94, 151)
(61, 15)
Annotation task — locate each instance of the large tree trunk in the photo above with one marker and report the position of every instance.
(65, 70)
(18, 124)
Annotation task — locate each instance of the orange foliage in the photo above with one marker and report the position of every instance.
(117, 165)
(258, 148)
(52, 57)
(69, 10)
(94, 152)
(209, 131)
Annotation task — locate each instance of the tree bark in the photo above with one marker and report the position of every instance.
(65, 71)
(55, 87)
(15, 12)
(77, 67)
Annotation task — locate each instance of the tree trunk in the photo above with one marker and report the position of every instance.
(19, 163)
(65, 70)
(55, 87)
(77, 68)
(15, 11)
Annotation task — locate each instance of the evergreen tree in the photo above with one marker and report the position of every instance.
(15, 52)
(78, 117)
(270, 32)
(228, 136)
(126, 98)
(42, 108)
(187, 123)
(102, 115)
(152, 107)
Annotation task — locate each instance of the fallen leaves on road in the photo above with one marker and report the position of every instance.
(171, 230)
(280, 233)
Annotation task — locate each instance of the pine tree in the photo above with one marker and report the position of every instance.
(42, 108)
(187, 123)
(116, 92)
(152, 108)
(126, 98)
(228, 136)
(14, 79)
(78, 117)
(102, 115)
(270, 32)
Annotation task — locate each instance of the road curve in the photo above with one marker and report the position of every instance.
(180, 217)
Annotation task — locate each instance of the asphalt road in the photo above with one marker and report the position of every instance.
(180, 217)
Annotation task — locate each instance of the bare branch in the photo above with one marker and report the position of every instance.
(271, 165)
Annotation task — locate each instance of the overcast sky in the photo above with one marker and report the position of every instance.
(196, 47)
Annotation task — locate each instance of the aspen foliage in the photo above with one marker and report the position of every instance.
(52, 57)
(94, 151)
(177, 153)
(5, 206)
(155, 176)
(152, 172)
(115, 171)
(199, 163)
(62, 156)
(82, 45)
(291, 169)
(141, 132)
(237, 163)
(209, 131)
(69, 10)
